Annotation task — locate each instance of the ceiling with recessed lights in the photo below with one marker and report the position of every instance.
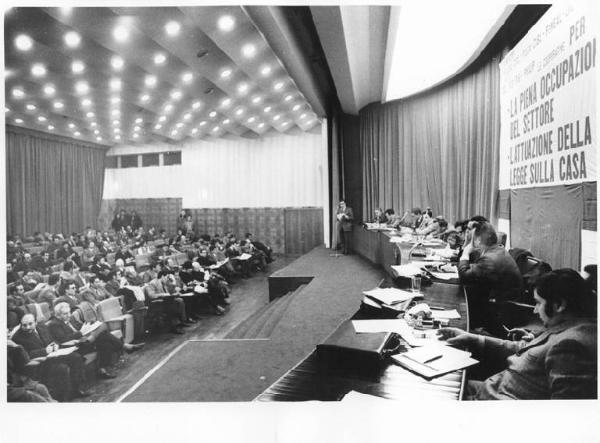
(161, 74)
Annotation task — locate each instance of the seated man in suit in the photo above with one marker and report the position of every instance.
(57, 373)
(261, 247)
(560, 363)
(67, 333)
(493, 275)
(379, 216)
(174, 307)
(20, 388)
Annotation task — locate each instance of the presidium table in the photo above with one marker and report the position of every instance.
(307, 381)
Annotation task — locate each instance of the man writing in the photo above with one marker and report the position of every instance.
(560, 363)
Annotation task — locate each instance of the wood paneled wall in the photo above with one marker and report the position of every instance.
(286, 230)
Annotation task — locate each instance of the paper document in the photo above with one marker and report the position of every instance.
(408, 270)
(397, 239)
(445, 275)
(244, 256)
(87, 328)
(369, 302)
(62, 351)
(412, 336)
(433, 361)
(359, 397)
(451, 314)
(389, 296)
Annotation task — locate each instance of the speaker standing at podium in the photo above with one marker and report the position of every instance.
(344, 217)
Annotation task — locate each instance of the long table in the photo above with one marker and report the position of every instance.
(306, 382)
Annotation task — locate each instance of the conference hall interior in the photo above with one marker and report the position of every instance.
(352, 203)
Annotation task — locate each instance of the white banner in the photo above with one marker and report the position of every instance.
(548, 101)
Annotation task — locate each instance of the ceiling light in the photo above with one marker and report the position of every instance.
(145, 98)
(99, 138)
(216, 128)
(116, 130)
(41, 118)
(23, 42)
(136, 128)
(267, 109)
(86, 102)
(265, 70)
(288, 97)
(195, 130)
(50, 128)
(58, 105)
(89, 115)
(159, 58)
(202, 123)
(150, 80)
(93, 124)
(168, 107)
(82, 87)
(226, 23)
(277, 117)
(179, 125)
(6, 109)
(49, 90)
(251, 119)
(38, 70)
(226, 102)
(121, 33)
(139, 120)
(116, 123)
(96, 131)
(261, 125)
(115, 112)
(114, 100)
(77, 134)
(71, 125)
(162, 118)
(277, 86)
(176, 94)
(303, 116)
(157, 127)
(18, 120)
(18, 93)
(225, 73)
(117, 137)
(135, 135)
(212, 114)
(30, 107)
(248, 50)
(226, 121)
(172, 28)
(115, 84)
(196, 105)
(285, 123)
(187, 116)
(174, 132)
(296, 107)
(77, 67)
(239, 111)
(242, 88)
(117, 62)
(257, 99)
(72, 39)
(187, 77)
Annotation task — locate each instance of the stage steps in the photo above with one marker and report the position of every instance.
(262, 323)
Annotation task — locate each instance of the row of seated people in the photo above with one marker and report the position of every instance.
(163, 291)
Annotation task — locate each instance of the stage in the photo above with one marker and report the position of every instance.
(239, 370)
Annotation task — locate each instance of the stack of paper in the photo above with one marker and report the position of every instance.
(88, 328)
(389, 296)
(445, 275)
(451, 314)
(433, 361)
(411, 336)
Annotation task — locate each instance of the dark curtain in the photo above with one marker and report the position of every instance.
(53, 184)
(548, 222)
(438, 149)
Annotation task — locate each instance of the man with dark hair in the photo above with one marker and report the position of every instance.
(173, 306)
(344, 218)
(560, 363)
(493, 275)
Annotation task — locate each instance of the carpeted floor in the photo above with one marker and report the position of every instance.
(240, 370)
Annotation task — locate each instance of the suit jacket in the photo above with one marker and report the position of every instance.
(62, 332)
(155, 288)
(34, 344)
(560, 363)
(494, 273)
(346, 222)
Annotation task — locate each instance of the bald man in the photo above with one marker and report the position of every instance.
(57, 372)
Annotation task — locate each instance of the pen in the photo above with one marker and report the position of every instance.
(437, 357)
